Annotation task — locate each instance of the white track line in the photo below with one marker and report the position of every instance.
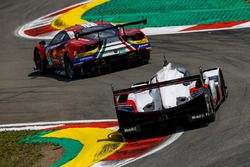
(148, 31)
(20, 30)
(53, 123)
(29, 128)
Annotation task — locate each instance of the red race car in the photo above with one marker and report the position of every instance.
(86, 48)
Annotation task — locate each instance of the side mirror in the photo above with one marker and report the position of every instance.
(77, 35)
(42, 43)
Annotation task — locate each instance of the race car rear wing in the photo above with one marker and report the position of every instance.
(116, 26)
(158, 85)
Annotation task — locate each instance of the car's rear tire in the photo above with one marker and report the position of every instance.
(70, 70)
(40, 62)
(223, 86)
(146, 57)
(146, 61)
(212, 117)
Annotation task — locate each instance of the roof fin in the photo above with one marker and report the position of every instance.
(165, 61)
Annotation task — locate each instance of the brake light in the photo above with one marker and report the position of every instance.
(136, 37)
(91, 47)
(82, 49)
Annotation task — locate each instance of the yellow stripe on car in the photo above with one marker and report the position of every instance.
(142, 41)
(87, 53)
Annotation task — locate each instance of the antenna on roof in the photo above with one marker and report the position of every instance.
(201, 75)
(165, 61)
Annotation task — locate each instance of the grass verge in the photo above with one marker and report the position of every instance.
(14, 153)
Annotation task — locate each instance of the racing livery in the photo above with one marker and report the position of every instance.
(88, 47)
(171, 95)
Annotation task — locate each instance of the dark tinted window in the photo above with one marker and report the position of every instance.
(102, 34)
(60, 37)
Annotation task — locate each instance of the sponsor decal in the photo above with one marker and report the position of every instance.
(86, 25)
(86, 58)
(200, 116)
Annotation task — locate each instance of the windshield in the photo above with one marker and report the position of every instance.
(110, 33)
(59, 38)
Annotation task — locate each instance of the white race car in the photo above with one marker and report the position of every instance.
(171, 95)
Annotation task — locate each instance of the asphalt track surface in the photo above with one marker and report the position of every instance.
(27, 96)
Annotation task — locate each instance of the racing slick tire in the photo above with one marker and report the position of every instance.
(40, 63)
(212, 117)
(146, 61)
(70, 70)
(223, 86)
(146, 57)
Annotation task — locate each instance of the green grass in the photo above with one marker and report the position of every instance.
(14, 153)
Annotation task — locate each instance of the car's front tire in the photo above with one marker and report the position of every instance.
(70, 70)
(40, 63)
